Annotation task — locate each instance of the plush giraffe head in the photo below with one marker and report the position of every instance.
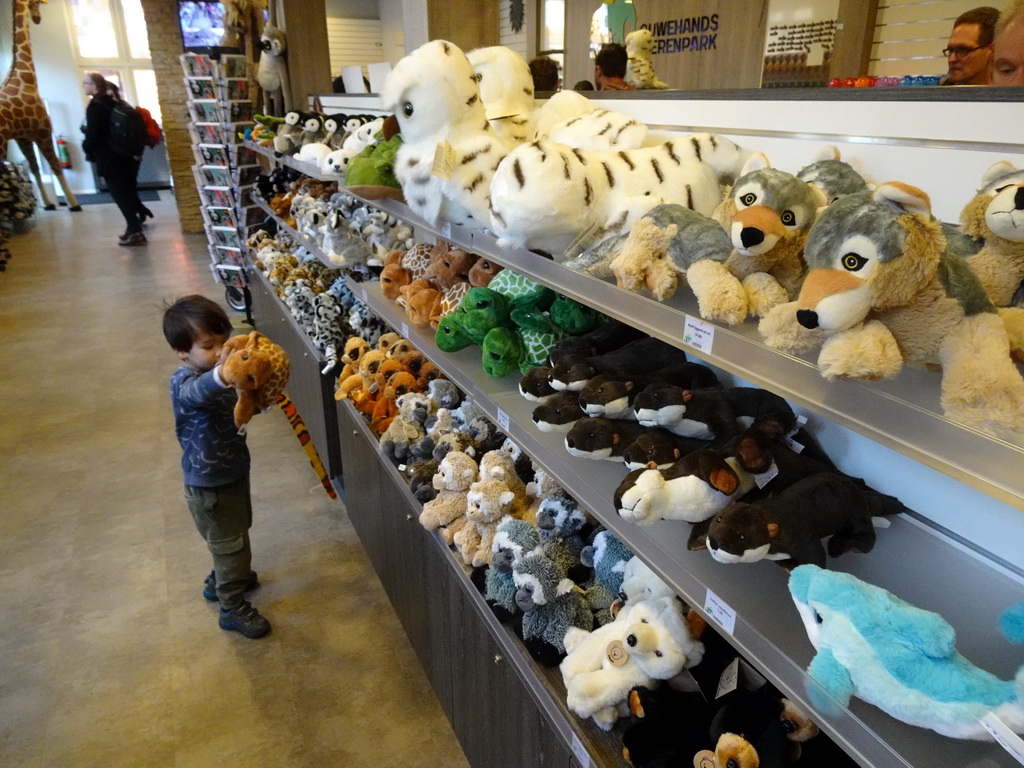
(258, 369)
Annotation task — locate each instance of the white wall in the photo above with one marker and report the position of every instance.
(353, 9)
(59, 83)
(392, 29)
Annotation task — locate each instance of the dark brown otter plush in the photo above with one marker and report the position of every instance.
(789, 527)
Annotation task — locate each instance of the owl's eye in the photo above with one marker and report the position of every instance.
(788, 218)
(853, 261)
(407, 109)
(748, 199)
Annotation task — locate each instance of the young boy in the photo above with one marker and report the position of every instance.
(215, 458)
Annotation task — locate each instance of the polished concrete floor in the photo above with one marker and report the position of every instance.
(109, 655)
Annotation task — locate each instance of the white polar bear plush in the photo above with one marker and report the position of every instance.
(647, 642)
(313, 153)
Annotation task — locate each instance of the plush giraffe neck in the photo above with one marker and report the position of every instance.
(21, 77)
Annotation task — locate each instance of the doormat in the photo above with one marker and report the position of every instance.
(145, 195)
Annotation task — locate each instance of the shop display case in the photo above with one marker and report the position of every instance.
(959, 550)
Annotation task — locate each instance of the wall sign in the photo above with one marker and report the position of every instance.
(697, 33)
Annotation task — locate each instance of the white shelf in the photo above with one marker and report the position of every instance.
(769, 633)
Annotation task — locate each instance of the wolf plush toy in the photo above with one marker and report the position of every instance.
(901, 658)
(884, 290)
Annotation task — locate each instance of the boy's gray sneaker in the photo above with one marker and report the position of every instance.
(210, 585)
(245, 620)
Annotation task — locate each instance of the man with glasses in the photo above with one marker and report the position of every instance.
(969, 50)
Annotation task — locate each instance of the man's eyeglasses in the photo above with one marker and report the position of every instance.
(960, 51)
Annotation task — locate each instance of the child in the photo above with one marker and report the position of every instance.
(215, 458)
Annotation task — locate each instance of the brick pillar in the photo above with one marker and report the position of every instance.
(165, 46)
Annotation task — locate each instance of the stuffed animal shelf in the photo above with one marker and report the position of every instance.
(258, 370)
(900, 658)
(883, 290)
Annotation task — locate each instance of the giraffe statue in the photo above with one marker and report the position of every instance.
(23, 116)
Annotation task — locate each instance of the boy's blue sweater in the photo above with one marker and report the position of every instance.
(213, 452)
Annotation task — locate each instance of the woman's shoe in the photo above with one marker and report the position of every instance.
(145, 213)
(135, 238)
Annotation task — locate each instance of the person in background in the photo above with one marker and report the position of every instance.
(1008, 47)
(583, 85)
(969, 50)
(545, 74)
(610, 69)
(119, 170)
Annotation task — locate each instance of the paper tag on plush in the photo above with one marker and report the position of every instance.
(767, 476)
(1005, 737)
(444, 160)
(583, 241)
(704, 759)
(729, 680)
(793, 444)
(617, 654)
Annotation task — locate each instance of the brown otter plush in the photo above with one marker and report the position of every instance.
(258, 369)
(789, 527)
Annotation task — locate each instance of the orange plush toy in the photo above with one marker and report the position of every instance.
(258, 369)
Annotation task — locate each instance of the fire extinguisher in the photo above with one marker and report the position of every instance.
(62, 153)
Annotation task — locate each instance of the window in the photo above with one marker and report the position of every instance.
(135, 29)
(94, 29)
(111, 38)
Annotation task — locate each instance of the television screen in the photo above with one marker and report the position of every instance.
(202, 23)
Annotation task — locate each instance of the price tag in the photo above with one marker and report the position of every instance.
(1005, 737)
(720, 612)
(730, 679)
(580, 752)
(503, 419)
(793, 444)
(444, 160)
(698, 334)
(446, 229)
(616, 653)
(767, 476)
(405, 330)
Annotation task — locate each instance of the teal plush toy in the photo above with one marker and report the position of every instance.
(901, 658)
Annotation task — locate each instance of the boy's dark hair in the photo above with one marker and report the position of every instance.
(583, 85)
(985, 17)
(190, 316)
(612, 60)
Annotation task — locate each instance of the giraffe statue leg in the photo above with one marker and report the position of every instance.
(29, 152)
(46, 147)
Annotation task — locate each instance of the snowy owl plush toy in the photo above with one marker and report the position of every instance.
(506, 87)
(435, 96)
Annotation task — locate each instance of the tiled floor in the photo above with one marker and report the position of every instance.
(109, 655)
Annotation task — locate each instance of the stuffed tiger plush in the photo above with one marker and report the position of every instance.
(639, 69)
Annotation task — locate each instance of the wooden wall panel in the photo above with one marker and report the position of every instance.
(309, 60)
(467, 23)
(702, 44)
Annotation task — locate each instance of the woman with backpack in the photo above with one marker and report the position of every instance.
(117, 156)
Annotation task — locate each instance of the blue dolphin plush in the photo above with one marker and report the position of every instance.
(901, 658)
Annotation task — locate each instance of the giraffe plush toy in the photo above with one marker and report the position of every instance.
(23, 116)
(258, 369)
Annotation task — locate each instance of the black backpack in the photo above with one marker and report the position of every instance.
(128, 132)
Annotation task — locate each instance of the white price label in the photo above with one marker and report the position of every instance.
(580, 752)
(405, 330)
(698, 334)
(446, 229)
(1005, 737)
(767, 476)
(793, 444)
(503, 419)
(720, 612)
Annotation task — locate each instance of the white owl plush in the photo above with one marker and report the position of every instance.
(506, 87)
(544, 194)
(639, 69)
(435, 97)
